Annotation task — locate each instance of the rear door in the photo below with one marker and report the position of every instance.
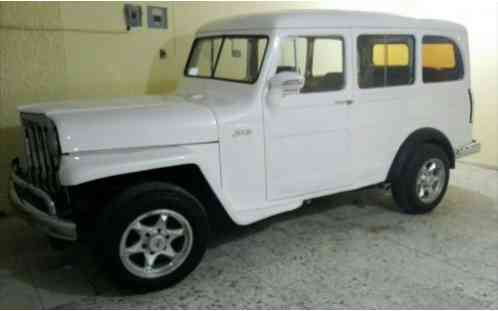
(387, 104)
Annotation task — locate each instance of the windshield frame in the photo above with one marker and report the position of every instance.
(223, 37)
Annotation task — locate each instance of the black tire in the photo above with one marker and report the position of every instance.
(136, 201)
(59, 244)
(404, 186)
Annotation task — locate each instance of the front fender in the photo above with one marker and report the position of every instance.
(83, 167)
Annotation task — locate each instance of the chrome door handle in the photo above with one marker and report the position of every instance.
(344, 102)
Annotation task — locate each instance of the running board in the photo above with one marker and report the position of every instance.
(473, 147)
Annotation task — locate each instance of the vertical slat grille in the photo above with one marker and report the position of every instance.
(41, 162)
(48, 159)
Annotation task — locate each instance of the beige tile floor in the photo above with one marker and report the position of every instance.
(334, 253)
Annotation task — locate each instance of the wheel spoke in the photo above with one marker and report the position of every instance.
(135, 248)
(161, 223)
(432, 167)
(175, 233)
(435, 184)
(169, 251)
(150, 259)
(429, 191)
(421, 192)
(142, 229)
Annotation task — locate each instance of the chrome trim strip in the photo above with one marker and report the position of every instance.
(463, 151)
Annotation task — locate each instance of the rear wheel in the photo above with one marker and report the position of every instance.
(155, 235)
(423, 182)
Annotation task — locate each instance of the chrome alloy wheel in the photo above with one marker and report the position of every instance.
(156, 243)
(431, 180)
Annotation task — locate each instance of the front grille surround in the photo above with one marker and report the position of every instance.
(42, 152)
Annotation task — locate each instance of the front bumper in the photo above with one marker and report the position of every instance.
(46, 222)
(463, 151)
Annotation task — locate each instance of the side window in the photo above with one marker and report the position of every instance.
(293, 55)
(205, 57)
(441, 60)
(385, 60)
(240, 59)
(327, 57)
(261, 50)
(233, 60)
(319, 59)
(399, 54)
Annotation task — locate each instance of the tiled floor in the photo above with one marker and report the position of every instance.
(330, 254)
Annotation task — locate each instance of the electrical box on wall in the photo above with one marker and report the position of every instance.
(157, 17)
(133, 16)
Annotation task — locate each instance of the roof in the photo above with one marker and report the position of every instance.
(323, 19)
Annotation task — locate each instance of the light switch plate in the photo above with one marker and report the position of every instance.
(133, 15)
(157, 17)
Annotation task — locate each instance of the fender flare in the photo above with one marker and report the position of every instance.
(82, 171)
(84, 167)
(416, 138)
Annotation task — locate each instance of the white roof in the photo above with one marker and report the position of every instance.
(323, 19)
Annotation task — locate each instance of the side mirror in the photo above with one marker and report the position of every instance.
(287, 82)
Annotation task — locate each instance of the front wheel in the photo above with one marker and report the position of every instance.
(155, 236)
(59, 244)
(423, 182)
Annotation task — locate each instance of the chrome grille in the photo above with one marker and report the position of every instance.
(41, 152)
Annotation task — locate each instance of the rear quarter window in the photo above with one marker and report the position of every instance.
(441, 60)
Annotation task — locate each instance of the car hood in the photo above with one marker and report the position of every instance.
(132, 122)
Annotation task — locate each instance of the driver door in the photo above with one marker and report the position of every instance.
(308, 133)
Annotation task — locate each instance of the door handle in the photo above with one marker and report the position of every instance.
(344, 102)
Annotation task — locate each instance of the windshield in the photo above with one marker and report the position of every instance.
(233, 58)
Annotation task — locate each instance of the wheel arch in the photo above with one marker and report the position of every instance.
(91, 198)
(92, 179)
(420, 136)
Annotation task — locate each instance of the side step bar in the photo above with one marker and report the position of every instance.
(473, 147)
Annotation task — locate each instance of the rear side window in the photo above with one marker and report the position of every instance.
(399, 55)
(385, 60)
(441, 60)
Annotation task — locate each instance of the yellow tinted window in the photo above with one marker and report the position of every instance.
(398, 54)
(439, 55)
(379, 55)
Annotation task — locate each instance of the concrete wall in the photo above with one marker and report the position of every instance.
(54, 51)
(61, 50)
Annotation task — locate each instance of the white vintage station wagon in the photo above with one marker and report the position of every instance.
(273, 110)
